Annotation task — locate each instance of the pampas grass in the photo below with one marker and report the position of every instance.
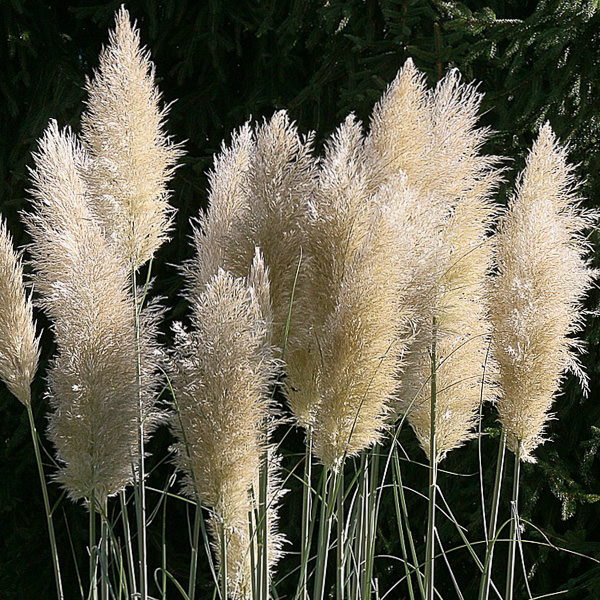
(84, 289)
(223, 370)
(356, 281)
(131, 157)
(19, 345)
(536, 296)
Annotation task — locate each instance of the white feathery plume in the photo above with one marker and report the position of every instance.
(536, 296)
(447, 303)
(222, 372)
(84, 288)
(131, 157)
(19, 346)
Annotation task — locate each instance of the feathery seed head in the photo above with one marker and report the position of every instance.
(222, 371)
(84, 289)
(131, 157)
(458, 182)
(19, 346)
(535, 299)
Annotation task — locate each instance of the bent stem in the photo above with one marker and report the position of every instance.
(514, 523)
(49, 521)
(433, 472)
(484, 588)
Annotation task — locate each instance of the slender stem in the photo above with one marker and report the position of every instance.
(128, 545)
(341, 555)
(263, 523)
(433, 467)
(104, 550)
(302, 591)
(194, 556)
(359, 539)
(399, 518)
(514, 522)
(141, 475)
(328, 491)
(223, 561)
(49, 521)
(372, 513)
(93, 548)
(484, 588)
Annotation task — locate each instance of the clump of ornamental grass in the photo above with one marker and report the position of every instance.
(84, 289)
(223, 369)
(131, 156)
(19, 345)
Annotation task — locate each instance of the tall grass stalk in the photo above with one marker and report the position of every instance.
(48, 510)
(223, 567)
(433, 472)
(307, 500)
(104, 548)
(514, 524)
(329, 491)
(484, 587)
(194, 552)
(340, 580)
(404, 525)
(93, 549)
(140, 484)
(372, 512)
(128, 543)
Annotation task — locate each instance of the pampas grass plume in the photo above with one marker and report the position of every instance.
(535, 299)
(84, 289)
(223, 368)
(19, 346)
(131, 157)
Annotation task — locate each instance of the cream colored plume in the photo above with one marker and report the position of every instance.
(260, 189)
(535, 300)
(84, 289)
(222, 372)
(217, 232)
(131, 157)
(350, 325)
(19, 346)
(446, 300)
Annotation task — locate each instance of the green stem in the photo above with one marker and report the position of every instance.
(302, 591)
(104, 550)
(223, 561)
(93, 548)
(128, 544)
(433, 468)
(194, 554)
(141, 474)
(372, 514)
(399, 518)
(327, 497)
(514, 522)
(341, 555)
(484, 588)
(49, 521)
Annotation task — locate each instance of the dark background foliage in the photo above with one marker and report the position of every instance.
(228, 60)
